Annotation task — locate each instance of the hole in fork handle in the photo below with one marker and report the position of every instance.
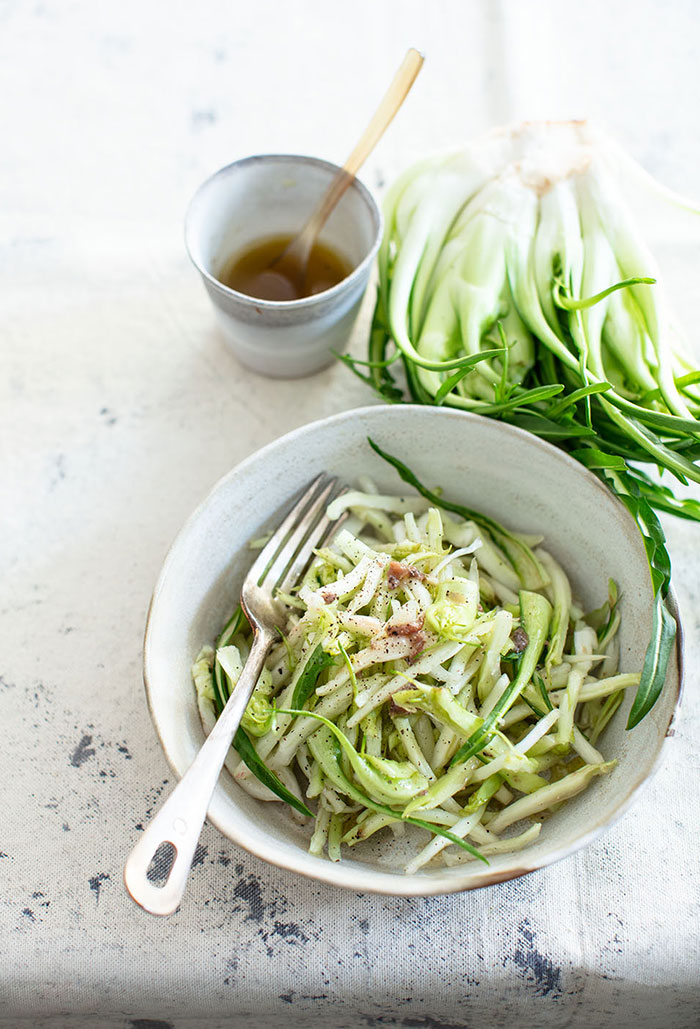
(162, 863)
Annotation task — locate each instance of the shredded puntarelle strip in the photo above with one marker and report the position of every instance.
(434, 675)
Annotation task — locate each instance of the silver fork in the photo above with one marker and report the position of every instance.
(179, 822)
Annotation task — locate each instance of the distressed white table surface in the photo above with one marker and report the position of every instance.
(120, 407)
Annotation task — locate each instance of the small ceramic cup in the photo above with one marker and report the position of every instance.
(270, 195)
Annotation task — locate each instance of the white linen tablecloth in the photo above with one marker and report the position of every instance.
(119, 408)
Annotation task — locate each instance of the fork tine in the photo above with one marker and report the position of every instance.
(320, 535)
(297, 540)
(269, 552)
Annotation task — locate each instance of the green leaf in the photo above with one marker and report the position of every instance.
(267, 777)
(306, 682)
(533, 707)
(539, 425)
(539, 682)
(663, 626)
(383, 387)
(237, 623)
(592, 458)
(358, 362)
(417, 390)
(663, 500)
(655, 663)
(469, 363)
(535, 615)
(556, 410)
(502, 391)
(688, 380)
(567, 303)
(521, 398)
(601, 618)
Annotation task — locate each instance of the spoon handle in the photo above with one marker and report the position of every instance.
(391, 102)
(179, 822)
(389, 105)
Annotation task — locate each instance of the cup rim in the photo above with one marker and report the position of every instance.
(303, 302)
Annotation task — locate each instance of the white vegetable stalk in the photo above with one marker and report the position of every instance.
(507, 846)
(402, 696)
(548, 796)
(521, 230)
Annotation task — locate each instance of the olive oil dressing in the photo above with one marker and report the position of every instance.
(253, 271)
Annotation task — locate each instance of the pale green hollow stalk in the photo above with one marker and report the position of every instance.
(524, 243)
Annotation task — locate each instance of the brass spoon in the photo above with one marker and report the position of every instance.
(294, 259)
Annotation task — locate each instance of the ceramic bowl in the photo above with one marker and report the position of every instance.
(273, 195)
(520, 480)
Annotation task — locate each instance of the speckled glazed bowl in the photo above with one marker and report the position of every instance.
(508, 474)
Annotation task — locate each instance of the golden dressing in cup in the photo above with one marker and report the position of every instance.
(253, 272)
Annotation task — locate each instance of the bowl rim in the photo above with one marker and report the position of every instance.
(382, 882)
(258, 303)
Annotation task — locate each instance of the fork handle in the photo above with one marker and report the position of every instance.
(180, 820)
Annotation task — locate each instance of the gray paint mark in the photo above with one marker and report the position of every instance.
(289, 931)
(28, 913)
(123, 749)
(37, 695)
(249, 891)
(426, 1022)
(152, 800)
(150, 1023)
(199, 855)
(232, 966)
(202, 119)
(59, 473)
(82, 752)
(536, 967)
(96, 883)
(288, 998)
